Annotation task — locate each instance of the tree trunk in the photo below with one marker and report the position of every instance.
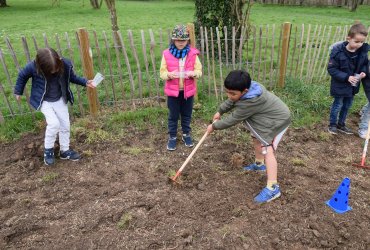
(55, 3)
(353, 5)
(95, 4)
(111, 4)
(3, 3)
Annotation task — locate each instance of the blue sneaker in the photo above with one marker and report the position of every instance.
(255, 167)
(49, 156)
(69, 155)
(186, 138)
(267, 195)
(171, 144)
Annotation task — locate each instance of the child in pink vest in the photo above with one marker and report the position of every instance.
(179, 67)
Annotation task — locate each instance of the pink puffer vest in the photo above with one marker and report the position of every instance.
(171, 87)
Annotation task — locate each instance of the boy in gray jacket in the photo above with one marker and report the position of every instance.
(265, 116)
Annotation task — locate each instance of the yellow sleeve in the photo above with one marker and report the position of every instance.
(163, 70)
(197, 68)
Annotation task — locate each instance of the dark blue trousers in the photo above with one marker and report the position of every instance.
(179, 107)
(340, 107)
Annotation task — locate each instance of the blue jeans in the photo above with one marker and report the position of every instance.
(362, 126)
(179, 107)
(340, 106)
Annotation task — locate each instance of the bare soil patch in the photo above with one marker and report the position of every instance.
(118, 195)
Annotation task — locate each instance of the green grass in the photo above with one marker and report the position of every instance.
(135, 150)
(50, 177)
(270, 14)
(323, 136)
(298, 162)
(140, 118)
(125, 221)
(13, 129)
(171, 173)
(38, 17)
(112, 125)
(310, 103)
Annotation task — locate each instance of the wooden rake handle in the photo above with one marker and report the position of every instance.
(190, 156)
(365, 145)
(368, 131)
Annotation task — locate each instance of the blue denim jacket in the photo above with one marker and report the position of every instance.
(38, 87)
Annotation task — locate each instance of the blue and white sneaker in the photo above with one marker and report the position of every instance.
(171, 144)
(69, 155)
(267, 195)
(49, 158)
(255, 167)
(186, 138)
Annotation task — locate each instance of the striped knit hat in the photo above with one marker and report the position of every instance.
(180, 32)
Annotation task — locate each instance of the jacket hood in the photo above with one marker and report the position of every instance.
(341, 46)
(338, 47)
(255, 90)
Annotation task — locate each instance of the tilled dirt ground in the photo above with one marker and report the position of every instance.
(118, 196)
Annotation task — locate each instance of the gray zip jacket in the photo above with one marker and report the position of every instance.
(262, 111)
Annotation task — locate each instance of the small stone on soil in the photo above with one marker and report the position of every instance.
(276, 241)
(324, 243)
(185, 234)
(201, 186)
(316, 233)
(251, 205)
(347, 236)
(236, 160)
(188, 240)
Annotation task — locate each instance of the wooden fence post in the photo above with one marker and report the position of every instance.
(88, 69)
(1, 118)
(284, 53)
(191, 29)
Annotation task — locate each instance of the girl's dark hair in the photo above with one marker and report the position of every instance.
(48, 62)
(238, 80)
(357, 28)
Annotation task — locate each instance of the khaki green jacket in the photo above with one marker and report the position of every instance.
(266, 114)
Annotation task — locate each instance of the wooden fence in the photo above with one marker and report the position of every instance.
(131, 63)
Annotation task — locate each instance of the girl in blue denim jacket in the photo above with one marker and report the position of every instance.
(50, 92)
